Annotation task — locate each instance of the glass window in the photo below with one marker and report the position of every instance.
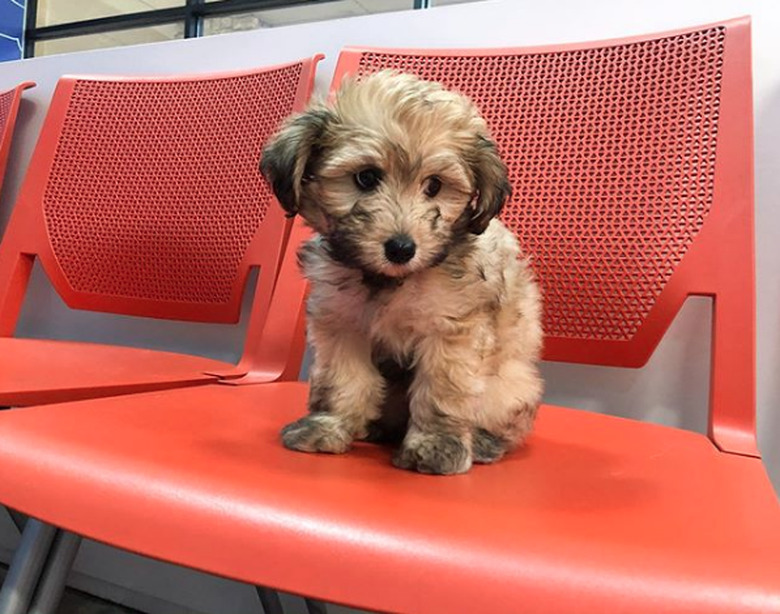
(196, 19)
(117, 38)
(52, 12)
(299, 14)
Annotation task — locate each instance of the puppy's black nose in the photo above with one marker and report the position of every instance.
(400, 249)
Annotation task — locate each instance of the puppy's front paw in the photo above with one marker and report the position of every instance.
(317, 433)
(437, 453)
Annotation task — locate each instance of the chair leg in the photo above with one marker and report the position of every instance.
(52, 584)
(26, 567)
(316, 607)
(269, 598)
(17, 518)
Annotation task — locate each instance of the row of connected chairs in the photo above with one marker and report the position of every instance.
(631, 162)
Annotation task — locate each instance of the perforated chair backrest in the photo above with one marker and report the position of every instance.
(9, 110)
(144, 197)
(631, 163)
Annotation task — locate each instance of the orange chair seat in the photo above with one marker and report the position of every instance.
(597, 514)
(44, 371)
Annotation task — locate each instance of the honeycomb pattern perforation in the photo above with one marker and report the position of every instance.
(154, 191)
(6, 101)
(611, 155)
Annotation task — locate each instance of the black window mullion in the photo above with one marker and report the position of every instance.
(30, 24)
(227, 7)
(111, 24)
(193, 22)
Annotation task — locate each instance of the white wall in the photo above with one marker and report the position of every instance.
(672, 389)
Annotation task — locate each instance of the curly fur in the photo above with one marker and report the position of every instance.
(441, 351)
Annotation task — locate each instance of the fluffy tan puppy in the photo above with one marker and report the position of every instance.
(423, 317)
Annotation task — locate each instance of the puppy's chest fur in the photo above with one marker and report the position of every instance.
(392, 312)
(395, 314)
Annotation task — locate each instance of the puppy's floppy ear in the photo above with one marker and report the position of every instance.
(492, 184)
(286, 159)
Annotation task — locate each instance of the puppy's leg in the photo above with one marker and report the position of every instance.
(346, 393)
(442, 397)
(508, 408)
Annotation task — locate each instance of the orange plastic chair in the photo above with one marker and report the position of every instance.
(9, 109)
(143, 198)
(631, 162)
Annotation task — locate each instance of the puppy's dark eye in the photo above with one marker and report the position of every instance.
(433, 186)
(367, 179)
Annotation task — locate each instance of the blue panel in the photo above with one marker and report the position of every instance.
(11, 29)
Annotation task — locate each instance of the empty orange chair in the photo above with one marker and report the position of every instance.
(631, 162)
(9, 109)
(143, 198)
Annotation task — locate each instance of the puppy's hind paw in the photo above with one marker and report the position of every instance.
(317, 433)
(434, 453)
(487, 447)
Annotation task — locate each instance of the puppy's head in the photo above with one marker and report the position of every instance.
(393, 173)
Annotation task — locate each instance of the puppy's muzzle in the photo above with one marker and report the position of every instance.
(400, 249)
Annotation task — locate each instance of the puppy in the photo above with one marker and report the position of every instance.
(423, 317)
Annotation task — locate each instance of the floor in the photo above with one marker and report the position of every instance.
(76, 602)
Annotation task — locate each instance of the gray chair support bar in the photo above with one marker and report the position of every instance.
(55, 575)
(26, 567)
